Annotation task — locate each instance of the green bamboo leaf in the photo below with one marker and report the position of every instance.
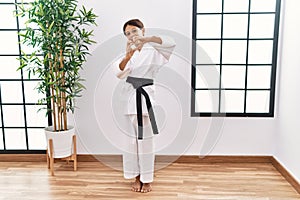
(50, 27)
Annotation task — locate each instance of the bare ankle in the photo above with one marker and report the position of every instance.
(137, 184)
(137, 178)
(146, 187)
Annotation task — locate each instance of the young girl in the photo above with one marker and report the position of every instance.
(143, 59)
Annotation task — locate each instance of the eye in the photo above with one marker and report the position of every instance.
(134, 30)
(127, 33)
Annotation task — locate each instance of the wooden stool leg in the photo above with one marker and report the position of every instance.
(51, 157)
(48, 161)
(74, 153)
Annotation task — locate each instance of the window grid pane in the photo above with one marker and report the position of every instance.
(8, 67)
(208, 52)
(209, 26)
(245, 53)
(9, 42)
(235, 26)
(208, 76)
(15, 139)
(11, 91)
(13, 116)
(258, 101)
(7, 13)
(259, 77)
(233, 76)
(233, 101)
(211, 6)
(236, 6)
(262, 25)
(1, 140)
(207, 101)
(263, 6)
(234, 52)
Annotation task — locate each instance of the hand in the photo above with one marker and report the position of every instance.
(129, 49)
(139, 41)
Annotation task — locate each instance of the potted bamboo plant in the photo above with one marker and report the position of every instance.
(60, 39)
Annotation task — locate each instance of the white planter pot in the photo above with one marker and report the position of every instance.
(62, 141)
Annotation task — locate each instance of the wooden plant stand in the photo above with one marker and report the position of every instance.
(51, 159)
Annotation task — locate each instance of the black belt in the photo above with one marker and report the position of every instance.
(138, 84)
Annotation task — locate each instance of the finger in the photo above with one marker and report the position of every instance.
(129, 42)
(139, 46)
(139, 38)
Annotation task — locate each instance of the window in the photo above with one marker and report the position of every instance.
(21, 126)
(234, 57)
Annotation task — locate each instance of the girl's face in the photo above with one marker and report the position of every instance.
(132, 31)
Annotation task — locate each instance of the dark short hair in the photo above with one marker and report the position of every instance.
(133, 22)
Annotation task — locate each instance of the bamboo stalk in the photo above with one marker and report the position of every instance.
(52, 95)
(58, 95)
(59, 110)
(64, 103)
(64, 107)
(53, 109)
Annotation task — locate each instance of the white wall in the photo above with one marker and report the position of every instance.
(288, 126)
(181, 134)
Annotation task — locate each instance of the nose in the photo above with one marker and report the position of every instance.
(132, 35)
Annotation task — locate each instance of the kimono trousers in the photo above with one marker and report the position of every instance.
(138, 158)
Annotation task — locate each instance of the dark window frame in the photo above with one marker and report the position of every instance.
(273, 64)
(23, 104)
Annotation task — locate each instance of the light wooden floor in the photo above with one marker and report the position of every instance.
(93, 180)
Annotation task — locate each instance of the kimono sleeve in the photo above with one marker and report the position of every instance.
(167, 46)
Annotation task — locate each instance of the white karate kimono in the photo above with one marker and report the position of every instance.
(139, 156)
